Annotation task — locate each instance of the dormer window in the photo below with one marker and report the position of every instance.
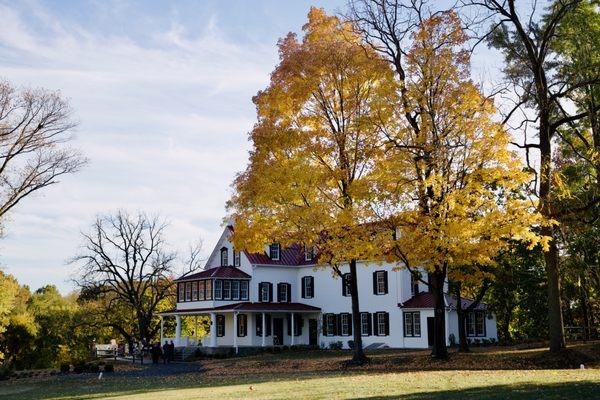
(309, 253)
(274, 251)
(224, 257)
(414, 283)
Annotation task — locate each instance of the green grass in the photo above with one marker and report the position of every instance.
(321, 375)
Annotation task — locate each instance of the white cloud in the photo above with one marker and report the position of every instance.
(163, 121)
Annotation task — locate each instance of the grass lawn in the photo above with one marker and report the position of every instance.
(496, 373)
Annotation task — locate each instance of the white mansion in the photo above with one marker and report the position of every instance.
(283, 297)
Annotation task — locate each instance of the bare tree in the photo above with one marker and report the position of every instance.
(126, 266)
(194, 260)
(34, 132)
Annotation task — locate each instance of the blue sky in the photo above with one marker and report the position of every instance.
(162, 92)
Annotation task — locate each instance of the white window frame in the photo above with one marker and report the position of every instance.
(282, 288)
(218, 289)
(364, 324)
(226, 289)
(243, 290)
(345, 324)
(330, 320)
(414, 280)
(224, 257)
(242, 324)
(380, 324)
(235, 290)
(221, 327)
(275, 248)
(236, 258)
(201, 284)
(182, 292)
(308, 284)
(412, 324)
(188, 291)
(208, 294)
(380, 282)
(264, 292)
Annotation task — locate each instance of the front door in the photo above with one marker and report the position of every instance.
(277, 331)
(430, 330)
(312, 332)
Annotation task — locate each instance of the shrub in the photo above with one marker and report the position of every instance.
(92, 367)
(5, 372)
(65, 368)
(109, 368)
(79, 367)
(336, 345)
(351, 344)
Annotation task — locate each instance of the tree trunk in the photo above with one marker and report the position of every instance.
(463, 345)
(551, 257)
(440, 350)
(359, 356)
(505, 329)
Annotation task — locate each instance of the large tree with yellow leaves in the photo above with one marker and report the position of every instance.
(448, 183)
(310, 178)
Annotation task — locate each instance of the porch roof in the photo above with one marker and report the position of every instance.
(248, 307)
(426, 300)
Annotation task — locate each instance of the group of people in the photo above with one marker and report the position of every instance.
(166, 352)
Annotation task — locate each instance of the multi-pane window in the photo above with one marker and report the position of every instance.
(412, 324)
(242, 325)
(244, 290)
(308, 289)
(218, 289)
(224, 257)
(182, 292)
(309, 253)
(264, 292)
(475, 323)
(201, 289)
(380, 282)
(235, 290)
(282, 292)
(346, 284)
(274, 251)
(188, 291)
(236, 258)
(226, 290)
(381, 323)
(208, 290)
(195, 291)
(365, 324)
(345, 324)
(329, 324)
(220, 325)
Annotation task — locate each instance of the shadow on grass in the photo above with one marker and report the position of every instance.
(154, 388)
(562, 391)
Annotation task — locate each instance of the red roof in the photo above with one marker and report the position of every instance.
(426, 300)
(248, 306)
(293, 255)
(217, 272)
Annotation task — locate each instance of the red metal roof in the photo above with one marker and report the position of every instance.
(217, 272)
(426, 300)
(250, 307)
(293, 255)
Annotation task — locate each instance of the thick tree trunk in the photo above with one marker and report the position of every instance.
(359, 356)
(463, 345)
(551, 257)
(440, 350)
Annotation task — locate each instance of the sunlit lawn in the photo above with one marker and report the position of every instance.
(320, 376)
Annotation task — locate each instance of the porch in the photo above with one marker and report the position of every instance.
(248, 325)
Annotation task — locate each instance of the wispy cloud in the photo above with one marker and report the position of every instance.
(163, 119)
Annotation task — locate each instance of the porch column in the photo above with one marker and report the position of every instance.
(162, 325)
(213, 329)
(235, 331)
(293, 330)
(264, 329)
(177, 329)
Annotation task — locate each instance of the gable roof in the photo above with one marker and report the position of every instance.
(217, 272)
(292, 256)
(426, 300)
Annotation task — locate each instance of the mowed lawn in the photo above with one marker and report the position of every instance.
(495, 373)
